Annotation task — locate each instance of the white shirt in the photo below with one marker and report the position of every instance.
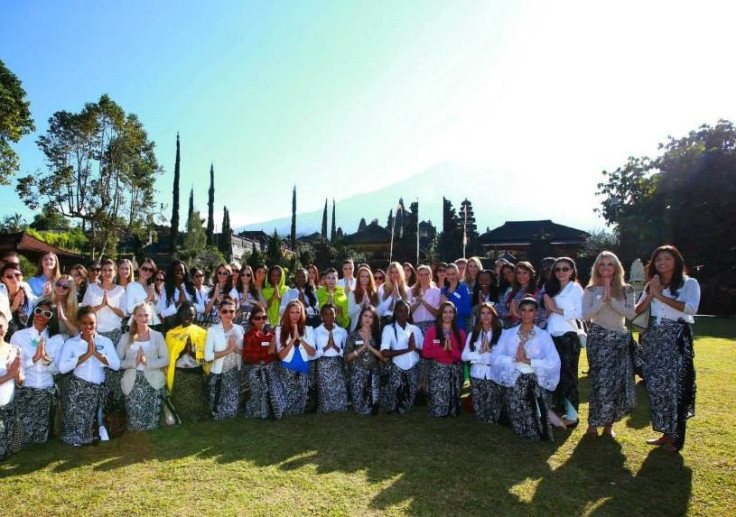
(8, 353)
(38, 375)
(166, 309)
(396, 338)
(217, 342)
(137, 345)
(5, 303)
(433, 297)
(389, 309)
(135, 294)
(308, 337)
(541, 351)
(354, 308)
(322, 336)
(92, 370)
(689, 293)
(343, 282)
(107, 320)
(480, 364)
(570, 300)
(293, 294)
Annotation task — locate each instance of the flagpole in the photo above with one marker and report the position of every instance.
(417, 263)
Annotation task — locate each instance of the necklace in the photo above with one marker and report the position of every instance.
(525, 336)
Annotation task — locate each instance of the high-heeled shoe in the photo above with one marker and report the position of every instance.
(658, 441)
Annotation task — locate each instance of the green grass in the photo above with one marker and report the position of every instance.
(347, 465)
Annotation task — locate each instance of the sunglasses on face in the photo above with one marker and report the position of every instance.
(13, 275)
(222, 273)
(258, 318)
(159, 280)
(46, 314)
(245, 273)
(95, 269)
(198, 275)
(147, 269)
(563, 269)
(380, 278)
(227, 311)
(62, 285)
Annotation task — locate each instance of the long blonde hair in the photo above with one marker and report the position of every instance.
(466, 275)
(134, 332)
(71, 306)
(131, 278)
(418, 286)
(617, 283)
(402, 281)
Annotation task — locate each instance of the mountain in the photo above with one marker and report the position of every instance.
(496, 198)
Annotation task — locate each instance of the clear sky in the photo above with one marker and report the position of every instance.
(343, 96)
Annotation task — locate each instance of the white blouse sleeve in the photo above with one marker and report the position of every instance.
(690, 295)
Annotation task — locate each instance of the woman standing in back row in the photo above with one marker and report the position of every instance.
(672, 298)
(607, 303)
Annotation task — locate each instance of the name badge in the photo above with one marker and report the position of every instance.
(99, 347)
(436, 341)
(265, 343)
(360, 342)
(456, 295)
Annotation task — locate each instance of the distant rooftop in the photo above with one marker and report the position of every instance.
(525, 232)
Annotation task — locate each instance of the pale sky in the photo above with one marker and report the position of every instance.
(340, 97)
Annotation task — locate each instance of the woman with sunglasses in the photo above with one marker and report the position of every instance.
(143, 359)
(223, 286)
(107, 300)
(247, 296)
(458, 294)
(526, 363)
(11, 377)
(187, 366)
(143, 291)
(488, 397)
(295, 348)
(443, 347)
(563, 300)
(40, 344)
(440, 275)
(48, 265)
(20, 298)
(379, 277)
(363, 353)
(305, 293)
(88, 354)
(79, 274)
(607, 302)
(64, 296)
(672, 298)
(125, 273)
(267, 393)
(400, 341)
(224, 349)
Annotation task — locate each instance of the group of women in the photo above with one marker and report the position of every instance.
(169, 347)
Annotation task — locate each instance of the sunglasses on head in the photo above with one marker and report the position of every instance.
(147, 269)
(46, 314)
(564, 269)
(62, 285)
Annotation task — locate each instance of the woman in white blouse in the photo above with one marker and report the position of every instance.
(488, 397)
(392, 291)
(11, 375)
(295, 348)
(178, 289)
(399, 343)
(224, 349)
(40, 345)
(672, 298)
(363, 295)
(143, 355)
(143, 291)
(329, 341)
(563, 301)
(525, 361)
(607, 303)
(88, 354)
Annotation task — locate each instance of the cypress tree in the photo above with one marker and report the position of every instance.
(226, 243)
(324, 222)
(333, 232)
(211, 208)
(191, 204)
(293, 219)
(174, 234)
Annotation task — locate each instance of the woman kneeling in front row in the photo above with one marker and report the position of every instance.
(526, 362)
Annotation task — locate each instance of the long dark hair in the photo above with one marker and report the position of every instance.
(492, 289)
(375, 326)
(495, 326)
(502, 283)
(309, 293)
(516, 286)
(228, 284)
(553, 287)
(170, 288)
(438, 322)
(678, 275)
(53, 324)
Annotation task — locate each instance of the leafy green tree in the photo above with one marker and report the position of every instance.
(50, 220)
(101, 169)
(15, 121)
(13, 223)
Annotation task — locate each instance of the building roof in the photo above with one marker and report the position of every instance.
(27, 244)
(255, 235)
(525, 232)
(371, 234)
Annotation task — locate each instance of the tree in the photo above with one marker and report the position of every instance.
(174, 234)
(191, 203)
(362, 224)
(50, 220)
(450, 244)
(390, 220)
(293, 219)
(13, 223)
(333, 232)
(226, 243)
(324, 223)
(211, 208)
(101, 169)
(15, 121)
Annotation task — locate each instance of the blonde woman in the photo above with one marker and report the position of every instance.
(143, 358)
(393, 290)
(607, 303)
(49, 271)
(472, 268)
(125, 273)
(64, 296)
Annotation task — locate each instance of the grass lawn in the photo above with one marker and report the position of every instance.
(347, 465)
